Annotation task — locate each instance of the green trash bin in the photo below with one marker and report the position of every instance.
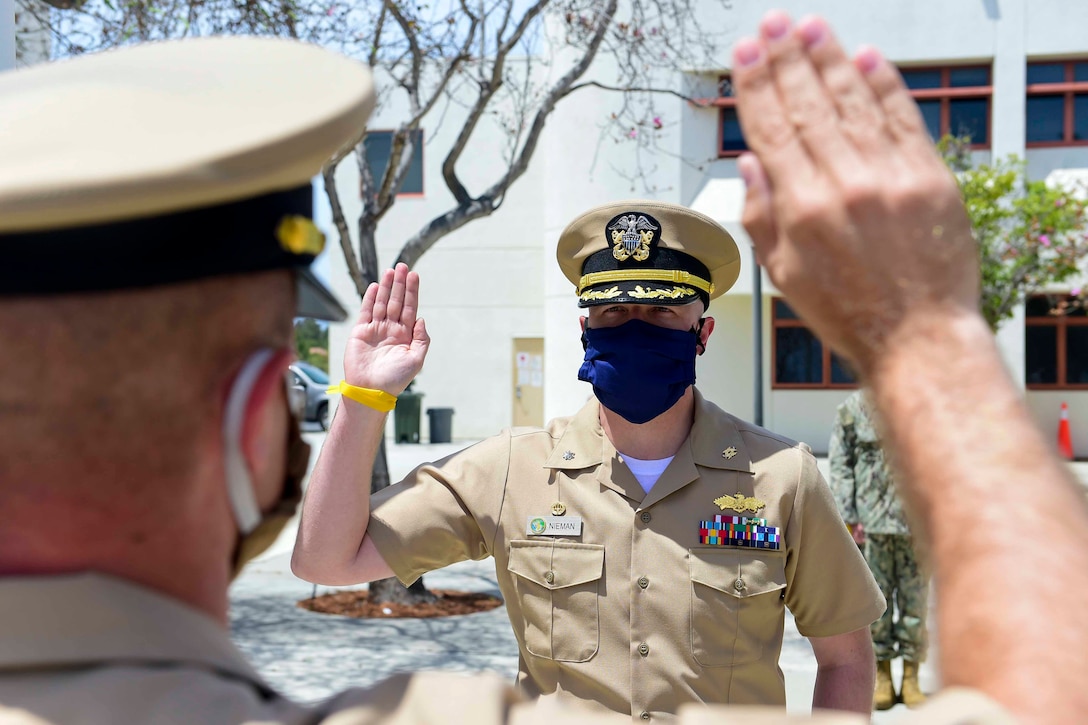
(406, 417)
(441, 422)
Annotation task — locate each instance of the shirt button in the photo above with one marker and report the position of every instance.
(644, 649)
(643, 582)
(739, 585)
(645, 519)
(549, 576)
(645, 716)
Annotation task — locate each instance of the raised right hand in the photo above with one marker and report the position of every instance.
(388, 343)
(849, 207)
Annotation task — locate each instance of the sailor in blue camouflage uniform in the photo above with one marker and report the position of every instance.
(864, 490)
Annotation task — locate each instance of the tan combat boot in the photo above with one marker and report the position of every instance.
(884, 694)
(910, 692)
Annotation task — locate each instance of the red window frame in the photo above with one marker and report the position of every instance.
(1062, 323)
(946, 93)
(724, 102)
(778, 323)
(1067, 89)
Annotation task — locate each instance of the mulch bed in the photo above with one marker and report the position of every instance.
(356, 603)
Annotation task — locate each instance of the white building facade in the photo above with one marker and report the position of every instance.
(504, 321)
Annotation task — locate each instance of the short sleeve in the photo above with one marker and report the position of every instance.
(829, 587)
(442, 512)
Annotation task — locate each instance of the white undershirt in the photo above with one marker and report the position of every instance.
(647, 472)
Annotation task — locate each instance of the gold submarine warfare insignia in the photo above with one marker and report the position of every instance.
(632, 235)
(739, 503)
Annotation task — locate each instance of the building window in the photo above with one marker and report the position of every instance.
(730, 139)
(379, 145)
(1056, 343)
(1057, 103)
(800, 359)
(953, 100)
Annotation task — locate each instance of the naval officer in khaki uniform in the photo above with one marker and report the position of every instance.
(649, 545)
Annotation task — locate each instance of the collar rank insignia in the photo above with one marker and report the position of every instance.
(729, 452)
(632, 234)
(739, 503)
(568, 456)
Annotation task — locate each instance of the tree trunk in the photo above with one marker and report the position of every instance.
(391, 590)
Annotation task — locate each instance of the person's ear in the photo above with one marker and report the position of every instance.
(704, 333)
(264, 428)
(582, 320)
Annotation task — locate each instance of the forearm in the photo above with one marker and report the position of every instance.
(336, 509)
(845, 687)
(997, 510)
(845, 671)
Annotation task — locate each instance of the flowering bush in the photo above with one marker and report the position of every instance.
(1030, 234)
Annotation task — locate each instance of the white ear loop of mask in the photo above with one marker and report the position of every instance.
(243, 499)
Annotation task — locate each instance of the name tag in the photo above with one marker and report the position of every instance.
(554, 526)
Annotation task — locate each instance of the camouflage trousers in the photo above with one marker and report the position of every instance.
(902, 632)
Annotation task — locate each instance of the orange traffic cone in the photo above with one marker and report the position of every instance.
(1065, 439)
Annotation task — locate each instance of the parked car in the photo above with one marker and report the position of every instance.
(296, 396)
(313, 381)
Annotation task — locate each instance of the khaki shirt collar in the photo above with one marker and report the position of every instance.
(713, 437)
(583, 443)
(716, 442)
(91, 619)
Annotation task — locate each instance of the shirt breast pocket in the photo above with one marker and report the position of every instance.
(736, 603)
(557, 586)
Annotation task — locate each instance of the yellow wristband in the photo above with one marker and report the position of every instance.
(376, 399)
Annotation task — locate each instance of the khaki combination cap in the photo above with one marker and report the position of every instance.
(172, 161)
(647, 252)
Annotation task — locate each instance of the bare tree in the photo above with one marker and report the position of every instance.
(485, 63)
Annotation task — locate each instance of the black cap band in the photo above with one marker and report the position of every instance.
(232, 238)
(642, 282)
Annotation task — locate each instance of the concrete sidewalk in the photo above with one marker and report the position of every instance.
(309, 656)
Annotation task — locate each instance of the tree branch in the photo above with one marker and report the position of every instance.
(397, 160)
(372, 59)
(700, 102)
(470, 209)
(558, 91)
(411, 86)
(442, 225)
(328, 174)
(487, 91)
(451, 70)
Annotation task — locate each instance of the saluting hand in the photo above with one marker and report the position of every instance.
(388, 342)
(849, 206)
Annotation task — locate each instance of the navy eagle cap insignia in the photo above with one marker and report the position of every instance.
(739, 503)
(631, 235)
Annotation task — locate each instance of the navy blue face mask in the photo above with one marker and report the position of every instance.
(637, 369)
